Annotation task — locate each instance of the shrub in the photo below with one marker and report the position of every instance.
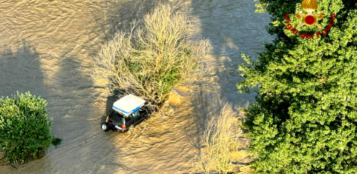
(305, 118)
(153, 57)
(221, 143)
(24, 127)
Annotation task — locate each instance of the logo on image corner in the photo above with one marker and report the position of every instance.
(309, 19)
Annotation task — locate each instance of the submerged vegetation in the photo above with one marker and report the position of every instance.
(151, 58)
(221, 143)
(24, 128)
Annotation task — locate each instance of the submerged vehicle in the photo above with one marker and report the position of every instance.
(125, 114)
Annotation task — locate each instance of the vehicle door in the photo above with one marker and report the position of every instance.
(129, 120)
(137, 117)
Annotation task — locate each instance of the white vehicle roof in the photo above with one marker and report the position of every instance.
(128, 104)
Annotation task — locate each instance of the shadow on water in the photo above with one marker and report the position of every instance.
(232, 28)
(110, 101)
(20, 69)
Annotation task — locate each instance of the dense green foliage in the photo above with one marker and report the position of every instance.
(24, 127)
(305, 118)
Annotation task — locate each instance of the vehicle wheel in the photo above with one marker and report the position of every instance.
(105, 127)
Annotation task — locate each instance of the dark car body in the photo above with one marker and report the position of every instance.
(118, 122)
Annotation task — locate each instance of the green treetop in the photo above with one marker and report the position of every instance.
(305, 117)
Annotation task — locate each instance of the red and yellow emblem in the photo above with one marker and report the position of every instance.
(309, 19)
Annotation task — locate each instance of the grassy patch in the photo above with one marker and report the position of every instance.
(221, 143)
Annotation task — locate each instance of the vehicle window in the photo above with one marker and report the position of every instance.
(135, 114)
(117, 117)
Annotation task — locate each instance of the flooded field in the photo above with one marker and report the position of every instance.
(47, 47)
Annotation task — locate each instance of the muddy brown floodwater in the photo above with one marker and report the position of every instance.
(47, 46)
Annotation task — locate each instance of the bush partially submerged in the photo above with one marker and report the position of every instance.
(24, 127)
(153, 57)
(221, 143)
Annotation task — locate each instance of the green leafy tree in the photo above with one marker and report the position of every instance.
(24, 127)
(305, 117)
